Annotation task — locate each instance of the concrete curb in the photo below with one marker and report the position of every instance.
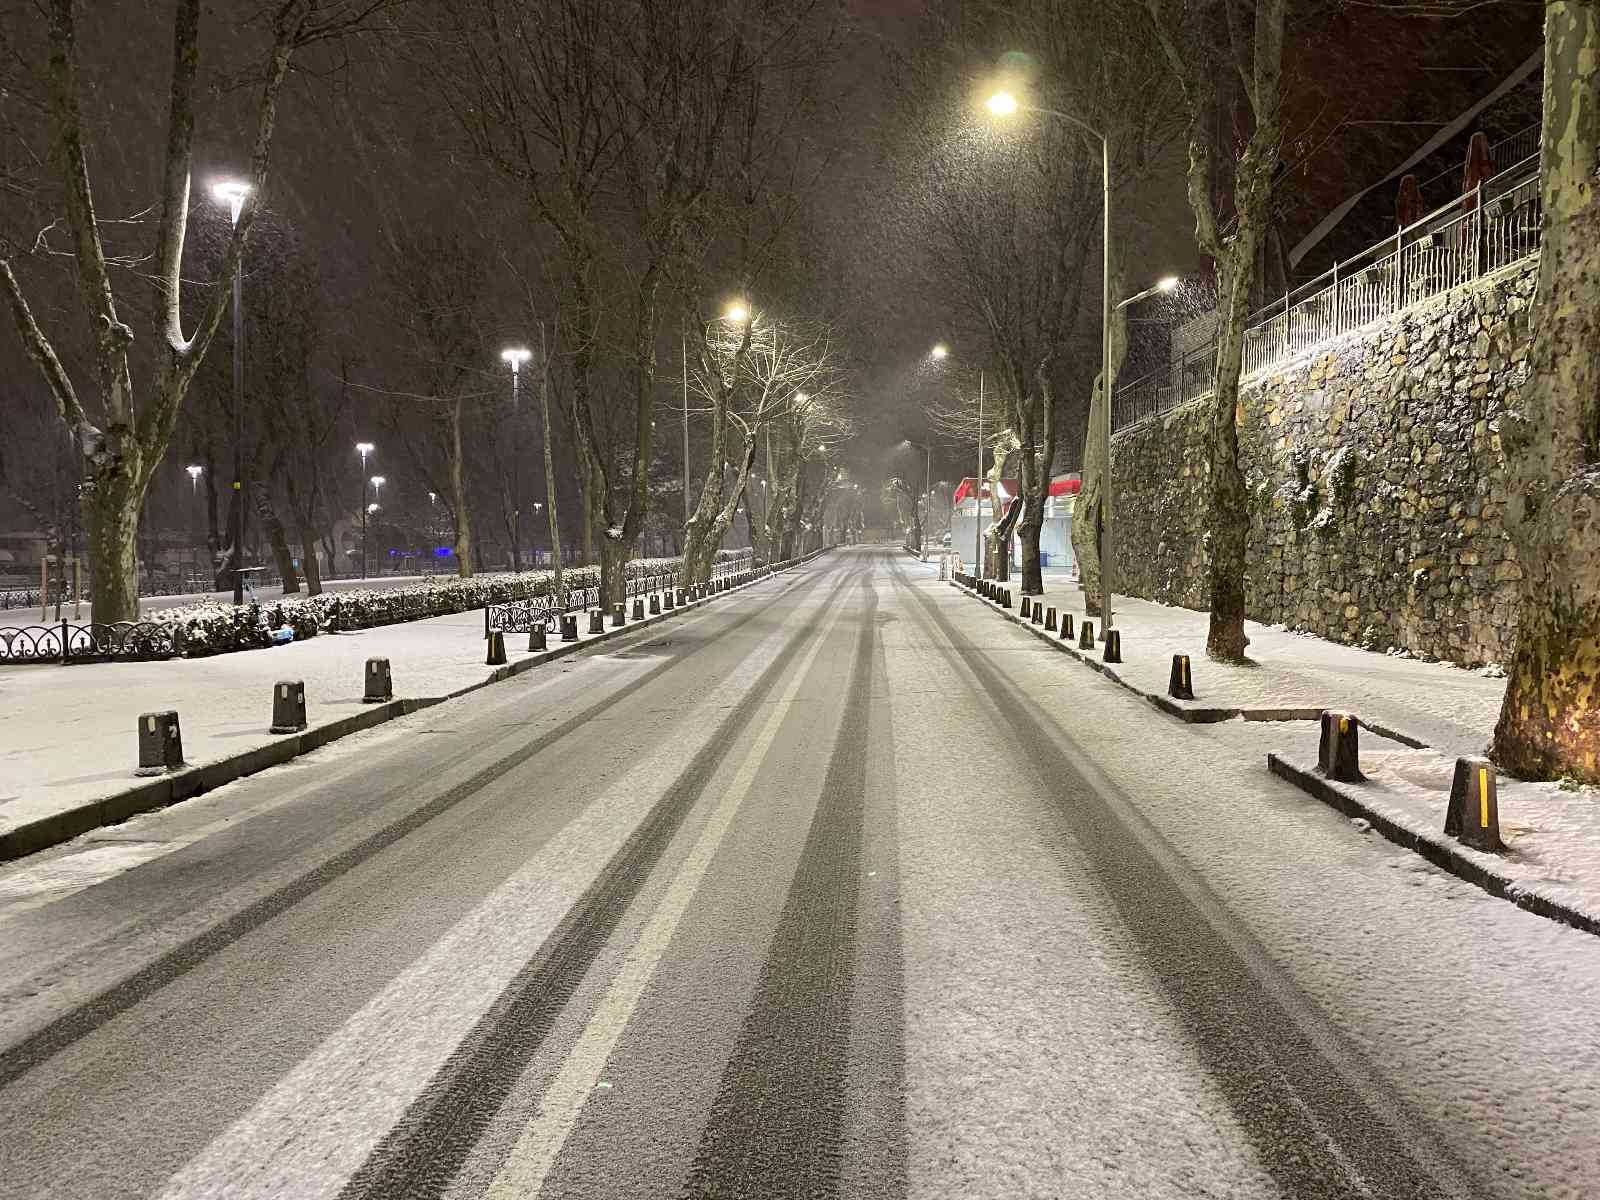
(1346, 798)
(169, 789)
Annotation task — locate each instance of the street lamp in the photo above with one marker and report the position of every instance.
(194, 479)
(927, 477)
(364, 449)
(233, 192)
(515, 356)
(736, 313)
(941, 351)
(1004, 104)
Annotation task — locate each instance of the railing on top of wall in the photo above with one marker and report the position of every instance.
(1495, 225)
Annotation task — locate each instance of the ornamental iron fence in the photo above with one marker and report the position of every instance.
(1496, 225)
(65, 643)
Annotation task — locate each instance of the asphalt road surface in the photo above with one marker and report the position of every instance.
(835, 888)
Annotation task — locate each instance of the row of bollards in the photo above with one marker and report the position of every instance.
(1472, 815)
(161, 737)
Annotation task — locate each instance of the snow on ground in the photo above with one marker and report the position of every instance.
(1552, 834)
(71, 734)
(1440, 705)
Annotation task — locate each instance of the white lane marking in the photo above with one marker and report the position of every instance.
(307, 1135)
(524, 1170)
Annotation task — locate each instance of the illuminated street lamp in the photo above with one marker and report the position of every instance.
(364, 449)
(514, 357)
(233, 193)
(194, 479)
(1004, 104)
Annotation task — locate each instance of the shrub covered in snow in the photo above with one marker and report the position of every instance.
(211, 628)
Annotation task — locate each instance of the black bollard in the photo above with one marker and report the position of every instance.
(288, 706)
(1179, 685)
(380, 684)
(160, 743)
(1339, 752)
(1050, 619)
(1113, 647)
(638, 608)
(619, 617)
(1473, 815)
(597, 620)
(1038, 613)
(1005, 598)
(666, 601)
(536, 638)
(569, 628)
(497, 650)
(1086, 635)
(1066, 626)
(1026, 610)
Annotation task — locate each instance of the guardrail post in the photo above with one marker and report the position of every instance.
(66, 643)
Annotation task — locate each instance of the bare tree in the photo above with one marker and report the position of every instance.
(1014, 207)
(612, 121)
(1207, 41)
(1550, 720)
(123, 437)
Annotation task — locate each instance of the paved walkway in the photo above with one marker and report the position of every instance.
(1442, 705)
(71, 732)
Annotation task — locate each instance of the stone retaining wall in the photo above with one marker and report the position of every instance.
(1376, 479)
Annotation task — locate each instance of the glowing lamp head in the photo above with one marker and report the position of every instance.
(230, 191)
(1167, 284)
(515, 356)
(364, 448)
(372, 508)
(737, 313)
(1002, 104)
(939, 351)
(194, 472)
(378, 481)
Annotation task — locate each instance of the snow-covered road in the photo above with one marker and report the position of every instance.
(830, 891)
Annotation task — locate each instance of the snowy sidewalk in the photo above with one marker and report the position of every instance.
(1551, 832)
(1433, 703)
(71, 732)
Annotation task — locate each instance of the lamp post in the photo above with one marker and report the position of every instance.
(377, 486)
(1004, 104)
(515, 357)
(232, 193)
(939, 353)
(364, 449)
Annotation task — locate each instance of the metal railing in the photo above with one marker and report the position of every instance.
(64, 642)
(1514, 148)
(1495, 225)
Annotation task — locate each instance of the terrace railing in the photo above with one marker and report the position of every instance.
(1495, 225)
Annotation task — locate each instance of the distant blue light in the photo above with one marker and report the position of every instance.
(444, 552)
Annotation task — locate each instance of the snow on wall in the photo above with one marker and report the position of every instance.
(1376, 484)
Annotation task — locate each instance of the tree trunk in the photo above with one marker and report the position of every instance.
(550, 474)
(308, 559)
(458, 496)
(1029, 529)
(111, 528)
(1549, 723)
(276, 538)
(1228, 530)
